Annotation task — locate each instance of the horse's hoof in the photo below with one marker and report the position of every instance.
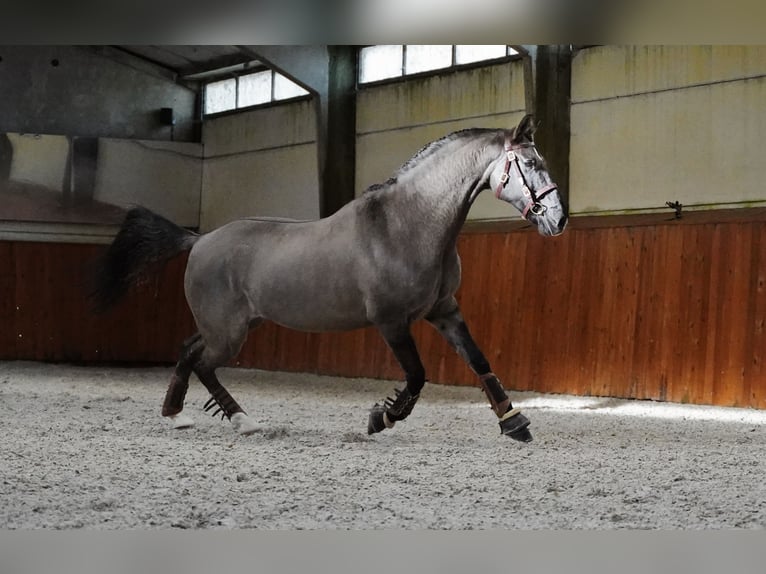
(243, 424)
(181, 421)
(516, 428)
(378, 419)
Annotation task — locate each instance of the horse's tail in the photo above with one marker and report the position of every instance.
(144, 239)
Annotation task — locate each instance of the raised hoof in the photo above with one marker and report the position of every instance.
(181, 421)
(516, 428)
(243, 424)
(377, 420)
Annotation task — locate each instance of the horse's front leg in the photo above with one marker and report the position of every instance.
(399, 339)
(449, 321)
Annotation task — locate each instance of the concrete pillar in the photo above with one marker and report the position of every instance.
(547, 80)
(329, 73)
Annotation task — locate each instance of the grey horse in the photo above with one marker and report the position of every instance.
(386, 259)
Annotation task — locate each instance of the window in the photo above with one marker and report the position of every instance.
(220, 96)
(254, 89)
(384, 62)
(249, 90)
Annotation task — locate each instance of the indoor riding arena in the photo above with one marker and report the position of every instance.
(230, 296)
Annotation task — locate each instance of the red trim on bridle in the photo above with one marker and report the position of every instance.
(533, 197)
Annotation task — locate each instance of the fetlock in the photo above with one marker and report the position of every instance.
(495, 393)
(392, 410)
(400, 408)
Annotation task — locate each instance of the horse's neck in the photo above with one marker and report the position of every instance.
(439, 193)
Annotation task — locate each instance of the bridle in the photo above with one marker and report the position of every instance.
(532, 196)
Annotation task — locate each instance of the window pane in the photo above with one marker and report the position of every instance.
(284, 88)
(380, 62)
(254, 89)
(221, 96)
(468, 54)
(424, 58)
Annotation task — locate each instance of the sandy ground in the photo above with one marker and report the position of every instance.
(86, 448)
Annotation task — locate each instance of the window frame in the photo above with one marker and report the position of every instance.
(453, 67)
(236, 76)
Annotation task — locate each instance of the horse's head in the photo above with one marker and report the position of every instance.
(521, 178)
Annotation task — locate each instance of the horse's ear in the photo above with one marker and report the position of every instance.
(526, 129)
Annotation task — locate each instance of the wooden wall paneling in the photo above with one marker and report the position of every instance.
(30, 281)
(693, 295)
(606, 305)
(563, 366)
(546, 354)
(646, 369)
(537, 279)
(65, 323)
(746, 394)
(617, 311)
(755, 369)
(627, 312)
(574, 329)
(528, 347)
(717, 256)
(588, 319)
(8, 302)
(669, 346)
(730, 353)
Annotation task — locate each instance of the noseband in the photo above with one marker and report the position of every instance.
(532, 197)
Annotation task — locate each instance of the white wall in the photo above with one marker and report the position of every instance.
(654, 124)
(163, 176)
(260, 163)
(39, 159)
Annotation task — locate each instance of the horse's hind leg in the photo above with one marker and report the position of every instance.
(224, 403)
(449, 321)
(399, 339)
(220, 399)
(179, 383)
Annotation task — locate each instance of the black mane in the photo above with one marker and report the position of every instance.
(431, 148)
(428, 150)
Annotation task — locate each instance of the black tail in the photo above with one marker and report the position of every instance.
(145, 238)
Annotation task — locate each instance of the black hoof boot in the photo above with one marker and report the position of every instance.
(516, 427)
(385, 416)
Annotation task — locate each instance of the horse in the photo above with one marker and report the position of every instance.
(387, 258)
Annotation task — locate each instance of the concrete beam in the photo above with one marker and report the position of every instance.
(329, 73)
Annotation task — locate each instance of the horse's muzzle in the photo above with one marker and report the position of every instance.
(549, 223)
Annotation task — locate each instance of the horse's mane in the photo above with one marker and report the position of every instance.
(427, 151)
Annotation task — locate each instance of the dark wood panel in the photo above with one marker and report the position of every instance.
(8, 333)
(656, 310)
(53, 320)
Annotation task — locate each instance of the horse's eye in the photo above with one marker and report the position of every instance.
(530, 163)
